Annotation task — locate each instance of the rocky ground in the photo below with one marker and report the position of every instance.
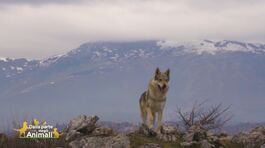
(85, 132)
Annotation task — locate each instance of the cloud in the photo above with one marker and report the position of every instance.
(38, 28)
(38, 2)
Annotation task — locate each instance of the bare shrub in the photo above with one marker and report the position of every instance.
(214, 117)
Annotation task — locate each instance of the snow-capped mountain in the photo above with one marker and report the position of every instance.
(13, 67)
(211, 47)
(107, 78)
(114, 52)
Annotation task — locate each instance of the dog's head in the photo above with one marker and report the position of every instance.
(25, 124)
(161, 79)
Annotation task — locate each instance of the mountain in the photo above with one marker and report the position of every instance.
(107, 78)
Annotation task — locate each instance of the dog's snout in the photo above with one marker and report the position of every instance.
(164, 86)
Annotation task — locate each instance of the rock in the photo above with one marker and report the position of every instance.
(188, 144)
(146, 131)
(224, 140)
(167, 129)
(102, 131)
(223, 135)
(167, 133)
(185, 144)
(119, 141)
(82, 124)
(254, 138)
(263, 146)
(167, 137)
(195, 133)
(206, 144)
(150, 145)
(73, 134)
(82, 132)
(3, 140)
(188, 137)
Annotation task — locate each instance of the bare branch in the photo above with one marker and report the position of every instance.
(209, 119)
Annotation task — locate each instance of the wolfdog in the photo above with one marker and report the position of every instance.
(153, 100)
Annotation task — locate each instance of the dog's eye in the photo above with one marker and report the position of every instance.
(160, 79)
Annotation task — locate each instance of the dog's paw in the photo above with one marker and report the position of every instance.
(146, 131)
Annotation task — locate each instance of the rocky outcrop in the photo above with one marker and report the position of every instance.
(254, 138)
(195, 134)
(83, 132)
(198, 136)
(119, 141)
(80, 126)
(167, 132)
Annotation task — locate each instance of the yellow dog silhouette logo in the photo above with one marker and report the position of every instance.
(23, 129)
(35, 130)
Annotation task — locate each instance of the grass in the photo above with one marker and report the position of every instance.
(16, 142)
(233, 145)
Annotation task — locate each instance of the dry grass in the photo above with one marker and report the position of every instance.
(137, 140)
(16, 142)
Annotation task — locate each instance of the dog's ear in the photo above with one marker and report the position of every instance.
(168, 73)
(157, 72)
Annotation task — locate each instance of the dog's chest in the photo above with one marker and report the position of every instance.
(156, 105)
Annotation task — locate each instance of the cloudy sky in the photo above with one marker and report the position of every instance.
(40, 28)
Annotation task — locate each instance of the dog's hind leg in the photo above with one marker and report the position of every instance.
(142, 104)
(143, 114)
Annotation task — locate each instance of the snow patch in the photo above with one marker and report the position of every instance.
(51, 60)
(107, 50)
(115, 57)
(3, 59)
(211, 47)
(98, 54)
(143, 54)
(19, 68)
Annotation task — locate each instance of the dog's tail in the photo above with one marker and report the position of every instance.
(16, 129)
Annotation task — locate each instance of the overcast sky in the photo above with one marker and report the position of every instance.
(40, 28)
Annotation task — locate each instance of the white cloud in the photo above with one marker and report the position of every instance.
(51, 28)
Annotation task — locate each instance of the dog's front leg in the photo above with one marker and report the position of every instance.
(150, 118)
(159, 124)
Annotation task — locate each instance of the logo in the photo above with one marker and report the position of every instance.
(37, 131)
